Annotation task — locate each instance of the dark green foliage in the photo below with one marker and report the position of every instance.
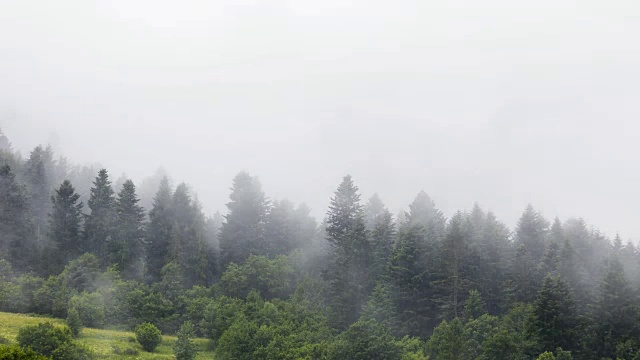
(556, 320)
(447, 341)
(350, 255)
(410, 283)
(99, 224)
(90, 307)
(148, 336)
(270, 277)
(184, 348)
(474, 306)
(44, 338)
(127, 248)
(74, 322)
(364, 340)
(82, 273)
(72, 351)
(15, 352)
(64, 227)
(159, 231)
(243, 232)
(16, 233)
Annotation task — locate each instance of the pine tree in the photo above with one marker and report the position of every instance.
(531, 232)
(98, 230)
(474, 306)
(373, 210)
(38, 176)
(16, 234)
(243, 232)
(556, 320)
(410, 284)
(423, 213)
(184, 348)
(64, 227)
(348, 274)
(454, 274)
(129, 233)
(381, 237)
(279, 229)
(159, 231)
(615, 312)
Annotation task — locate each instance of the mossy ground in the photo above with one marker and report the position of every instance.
(101, 341)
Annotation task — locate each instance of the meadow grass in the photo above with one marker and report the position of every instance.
(101, 341)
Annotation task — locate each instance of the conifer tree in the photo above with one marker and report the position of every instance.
(243, 232)
(373, 210)
(348, 273)
(159, 231)
(531, 232)
(381, 237)
(64, 227)
(556, 320)
(129, 232)
(98, 230)
(410, 284)
(38, 177)
(16, 234)
(423, 213)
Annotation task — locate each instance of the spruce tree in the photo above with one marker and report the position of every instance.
(159, 231)
(410, 284)
(243, 232)
(38, 177)
(98, 230)
(64, 227)
(129, 233)
(556, 320)
(423, 213)
(381, 237)
(373, 210)
(348, 274)
(531, 233)
(16, 234)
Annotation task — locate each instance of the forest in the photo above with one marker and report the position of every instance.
(266, 280)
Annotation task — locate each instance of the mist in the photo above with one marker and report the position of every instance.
(501, 103)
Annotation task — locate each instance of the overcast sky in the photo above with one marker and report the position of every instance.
(502, 102)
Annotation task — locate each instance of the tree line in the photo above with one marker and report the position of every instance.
(268, 281)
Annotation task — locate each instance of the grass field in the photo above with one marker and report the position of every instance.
(101, 341)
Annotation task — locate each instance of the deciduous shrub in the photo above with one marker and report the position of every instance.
(148, 336)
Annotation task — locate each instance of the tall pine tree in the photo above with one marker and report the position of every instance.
(243, 232)
(129, 233)
(159, 231)
(98, 230)
(64, 227)
(350, 255)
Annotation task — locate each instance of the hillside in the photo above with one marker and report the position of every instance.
(101, 341)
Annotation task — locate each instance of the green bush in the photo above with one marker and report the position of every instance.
(148, 336)
(15, 352)
(74, 322)
(126, 351)
(72, 351)
(44, 338)
(90, 307)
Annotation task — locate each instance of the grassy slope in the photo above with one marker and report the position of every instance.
(101, 341)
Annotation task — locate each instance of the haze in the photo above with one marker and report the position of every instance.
(499, 102)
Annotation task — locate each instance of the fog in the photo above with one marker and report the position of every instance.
(499, 102)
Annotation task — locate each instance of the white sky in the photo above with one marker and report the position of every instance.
(502, 102)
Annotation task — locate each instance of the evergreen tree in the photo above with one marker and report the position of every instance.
(410, 284)
(615, 312)
(474, 306)
(64, 227)
(373, 210)
(556, 320)
(531, 232)
(159, 231)
(381, 237)
(184, 348)
(16, 235)
(348, 274)
(454, 274)
(129, 232)
(243, 232)
(187, 242)
(38, 176)
(98, 230)
(423, 213)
